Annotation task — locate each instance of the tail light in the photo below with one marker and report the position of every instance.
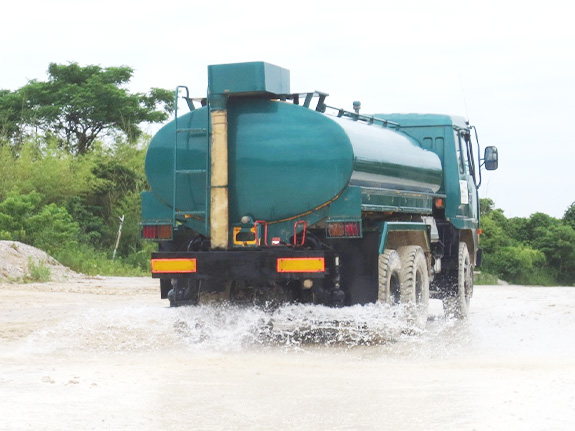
(352, 229)
(344, 230)
(160, 231)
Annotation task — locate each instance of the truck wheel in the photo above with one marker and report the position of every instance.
(389, 273)
(456, 300)
(414, 284)
(184, 292)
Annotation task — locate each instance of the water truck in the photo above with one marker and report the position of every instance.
(259, 194)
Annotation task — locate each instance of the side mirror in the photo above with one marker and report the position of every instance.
(491, 158)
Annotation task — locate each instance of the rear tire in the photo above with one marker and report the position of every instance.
(184, 292)
(414, 284)
(456, 300)
(389, 276)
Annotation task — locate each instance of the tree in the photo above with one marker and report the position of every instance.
(493, 236)
(10, 114)
(24, 218)
(79, 104)
(517, 264)
(537, 225)
(569, 216)
(486, 205)
(558, 244)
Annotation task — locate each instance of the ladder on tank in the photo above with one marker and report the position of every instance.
(189, 132)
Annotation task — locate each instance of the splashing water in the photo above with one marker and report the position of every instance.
(223, 328)
(291, 325)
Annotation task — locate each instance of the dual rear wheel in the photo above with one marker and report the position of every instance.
(403, 278)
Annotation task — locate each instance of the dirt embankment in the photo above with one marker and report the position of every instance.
(21, 262)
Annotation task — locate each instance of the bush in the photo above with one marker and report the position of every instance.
(39, 167)
(85, 259)
(485, 278)
(39, 272)
(52, 228)
(48, 227)
(516, 264)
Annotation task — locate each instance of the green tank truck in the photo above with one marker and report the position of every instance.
(258, 193)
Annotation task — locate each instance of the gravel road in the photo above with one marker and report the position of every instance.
(107, 353)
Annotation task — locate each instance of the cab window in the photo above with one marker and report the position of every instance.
(464, 157)
(460, 153)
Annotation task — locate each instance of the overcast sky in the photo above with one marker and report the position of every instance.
(509, 66)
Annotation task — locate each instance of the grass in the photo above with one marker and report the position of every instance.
(38, 272)
(485, 278)
(84, 259)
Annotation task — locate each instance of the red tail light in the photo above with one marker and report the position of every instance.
(344, 230)
(162, 231)
(352, 229)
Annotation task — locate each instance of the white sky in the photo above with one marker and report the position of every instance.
(512, 62)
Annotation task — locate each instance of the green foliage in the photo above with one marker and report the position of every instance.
(518, 264)
(70, 206)
(87, 260)
(61, 188)
(537, 224)
(486, 279)
(569, 216)
(558, 244)
(15, 210)
(91, 225)
(114, 191)
(516, 228)
(10, 114)
(494, 235)
(45, 169)
(536, 250)
(52, 228)
(78, 105)
(48, 227)
(486, 206)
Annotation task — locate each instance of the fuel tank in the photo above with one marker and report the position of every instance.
(285, 160)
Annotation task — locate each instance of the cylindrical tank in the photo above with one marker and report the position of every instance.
(385, 158)
(286, 160)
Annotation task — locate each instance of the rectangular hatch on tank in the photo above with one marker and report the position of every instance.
(248, 78)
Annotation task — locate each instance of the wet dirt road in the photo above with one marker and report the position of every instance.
(109, 354)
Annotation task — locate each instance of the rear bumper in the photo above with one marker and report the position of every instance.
(261, 264)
